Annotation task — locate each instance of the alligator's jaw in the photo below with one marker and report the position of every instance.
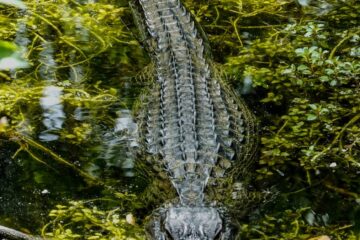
(205, 223)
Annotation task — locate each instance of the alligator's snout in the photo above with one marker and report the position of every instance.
(193, 223)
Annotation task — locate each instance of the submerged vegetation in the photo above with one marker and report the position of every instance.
(296, 63)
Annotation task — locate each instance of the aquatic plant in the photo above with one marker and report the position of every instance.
(84, 220)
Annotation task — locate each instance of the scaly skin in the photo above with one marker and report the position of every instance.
(193, 125)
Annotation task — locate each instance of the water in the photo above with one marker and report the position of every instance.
(87, 124)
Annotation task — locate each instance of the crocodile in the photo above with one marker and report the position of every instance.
(197, 130)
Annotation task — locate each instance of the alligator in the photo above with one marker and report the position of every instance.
(197, 130)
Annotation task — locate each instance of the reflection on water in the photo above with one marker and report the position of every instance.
(48, 64)
(53, 113)
(22, 41)
(76, 73)
(319, 7)
(119, 145)
(80, 114)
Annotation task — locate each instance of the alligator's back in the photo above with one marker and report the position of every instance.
(196, 128)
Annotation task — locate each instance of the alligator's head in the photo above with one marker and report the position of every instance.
(193, 223)
(189, 223)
